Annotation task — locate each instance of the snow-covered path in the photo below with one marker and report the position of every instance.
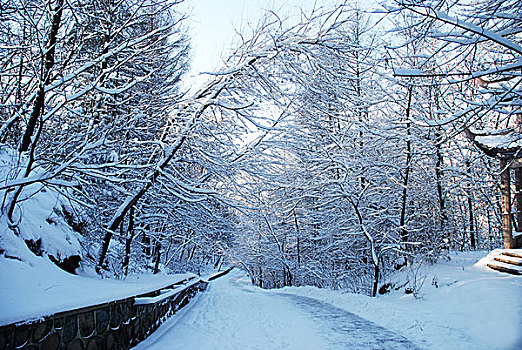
(346, 330)
(233, 315)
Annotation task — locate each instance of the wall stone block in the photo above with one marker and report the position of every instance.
(87, 325)
(70, 328)
(52, 342)
(21, 336)
(76, 344)
(102, 320)
(41, 331)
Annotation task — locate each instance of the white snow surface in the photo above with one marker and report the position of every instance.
(500, 141)
(462, 305)
(41, 210)
(472, 307)
(233, 315)
(35, 287)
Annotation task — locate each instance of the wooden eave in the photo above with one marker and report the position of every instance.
(507, 153)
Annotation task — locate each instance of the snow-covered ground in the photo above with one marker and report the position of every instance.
(227, 316)
(234, 315)
(462, 305)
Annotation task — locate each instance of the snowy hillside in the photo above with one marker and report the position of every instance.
(41, 216)
(31, 284)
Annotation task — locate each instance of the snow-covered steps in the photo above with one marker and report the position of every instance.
(515, 253)
(503, 267)
(509, 261)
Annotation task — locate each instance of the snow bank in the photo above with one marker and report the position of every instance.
(39, 213)
(463, 305)
(36, 288)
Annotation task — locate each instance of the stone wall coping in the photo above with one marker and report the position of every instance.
(67, 313)
(157, 292)
(219, 274)
(37, 294)
(167, 294)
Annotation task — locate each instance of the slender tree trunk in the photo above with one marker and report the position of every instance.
(180, 259)
(157, 256)
(128, 241)
(45, 77)
(375, 280)
(440, 191)
(402, 223)
(471, 223)
(298, 240)
(490, 231)
(518, 198)
(192, 253)
(505, 190)
(145, 239)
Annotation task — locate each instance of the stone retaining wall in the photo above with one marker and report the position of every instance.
(119, 324)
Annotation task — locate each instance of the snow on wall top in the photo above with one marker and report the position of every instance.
(36, 288)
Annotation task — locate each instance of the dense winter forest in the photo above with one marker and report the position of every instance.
(329, 151)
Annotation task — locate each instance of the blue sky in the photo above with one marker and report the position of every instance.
(213, 23)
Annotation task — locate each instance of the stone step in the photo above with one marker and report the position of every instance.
(503, 267)
(509, 260)
(515, 253)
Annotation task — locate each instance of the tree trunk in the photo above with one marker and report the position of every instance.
(471, 224)
(375, 280)
(157, 256)
(440, 191)
(404, 232)
(145, 239)
(45, 77)
(298, 239)
(518, 197)
(128, 242)
(505, 191)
